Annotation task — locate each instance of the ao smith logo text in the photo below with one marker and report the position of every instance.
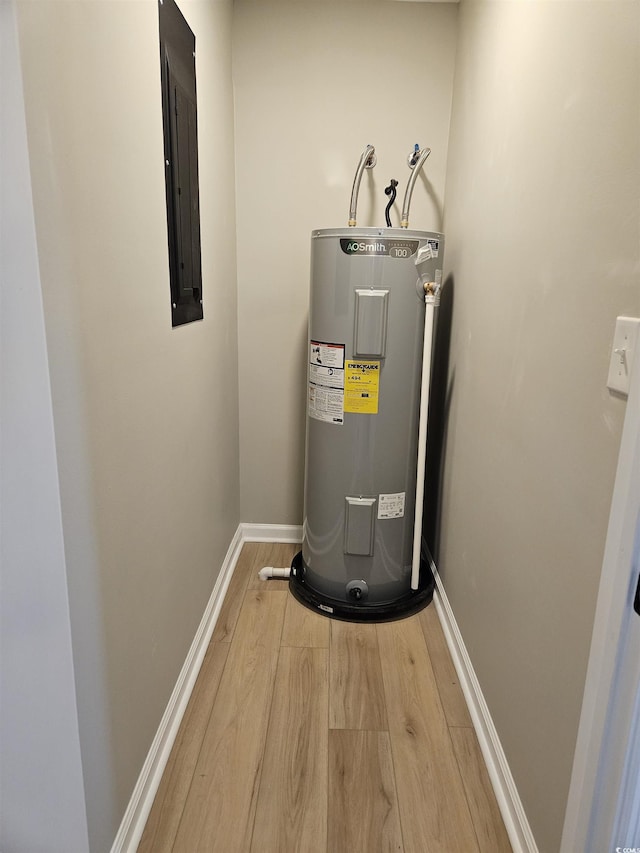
(388, 248)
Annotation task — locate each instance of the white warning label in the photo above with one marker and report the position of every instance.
(428, 250)
(391, 506)
(434, 245)
(326, 355)
(329, 377)
(326, 382)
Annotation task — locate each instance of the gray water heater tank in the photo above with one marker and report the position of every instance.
(366, 323)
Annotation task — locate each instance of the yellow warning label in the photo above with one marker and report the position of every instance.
(361, 385)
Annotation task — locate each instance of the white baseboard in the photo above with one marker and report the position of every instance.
(509, 802)
(135, 817)
(271, 532)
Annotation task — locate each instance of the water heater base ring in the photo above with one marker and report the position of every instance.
(401, 608)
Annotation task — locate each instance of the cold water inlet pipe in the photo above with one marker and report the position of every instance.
(367, 161)
(415, 169)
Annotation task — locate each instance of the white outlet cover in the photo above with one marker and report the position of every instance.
(625, 341)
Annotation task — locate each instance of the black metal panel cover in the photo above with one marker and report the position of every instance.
(179, 114)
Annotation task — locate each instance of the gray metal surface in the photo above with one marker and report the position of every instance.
(370, 456)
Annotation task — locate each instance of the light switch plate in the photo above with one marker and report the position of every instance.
(625, 341)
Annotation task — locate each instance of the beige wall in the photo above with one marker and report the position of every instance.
(40, 764)
(542, 225)
(146, 416)
(314, 84)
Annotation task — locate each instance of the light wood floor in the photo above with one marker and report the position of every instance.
(308, 735)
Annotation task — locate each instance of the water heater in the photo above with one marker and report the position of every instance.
(360, 557)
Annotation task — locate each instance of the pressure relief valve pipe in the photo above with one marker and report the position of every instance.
(432, 300)
(367, 161)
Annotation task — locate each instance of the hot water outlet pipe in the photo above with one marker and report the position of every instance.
(416, 162)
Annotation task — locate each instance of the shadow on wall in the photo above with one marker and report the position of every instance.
(439, 405)
(433, 195)
(298, 447)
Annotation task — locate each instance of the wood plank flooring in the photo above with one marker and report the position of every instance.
(308, 735)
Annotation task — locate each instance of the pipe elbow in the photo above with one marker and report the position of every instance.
(269, 572)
